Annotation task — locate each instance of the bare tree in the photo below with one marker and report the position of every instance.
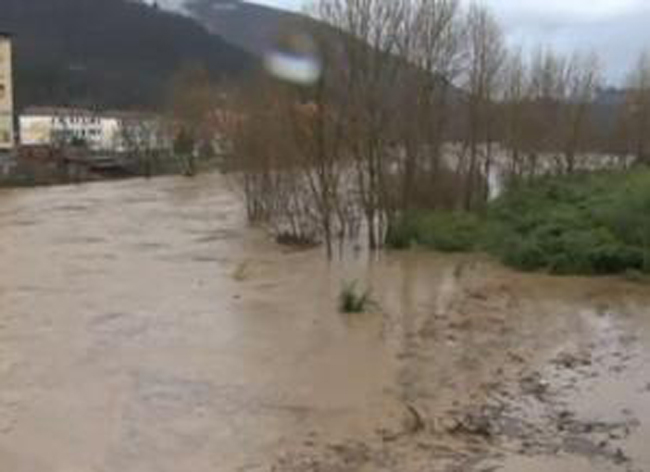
(367, 70)
(287, 150)
(193, 98)
(562, 92)
(142, 138)
(583, 81)
(513, 115)
(431, 44)
(486, 56)
(548, 89)
(376, 134)
(638, 109)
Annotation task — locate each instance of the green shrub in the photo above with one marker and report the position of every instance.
(448, 232)
(586, 224)
(636, 276)
(403, 232)
(451, 232)
(590, 223)
(352, 300)
(523, 254)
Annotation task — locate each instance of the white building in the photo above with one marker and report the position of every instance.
(6, 95)
(135, 131)
(59, 126)
(99, 131)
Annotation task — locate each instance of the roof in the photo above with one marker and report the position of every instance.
(57, 111)
(128, 115)
(85, 112)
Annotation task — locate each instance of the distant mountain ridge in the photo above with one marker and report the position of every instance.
(107, 53)
(249, 26)
(255, 28)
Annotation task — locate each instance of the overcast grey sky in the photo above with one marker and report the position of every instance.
(617, 29)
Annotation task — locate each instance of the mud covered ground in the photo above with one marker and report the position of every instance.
(144, 327)
(502, 377)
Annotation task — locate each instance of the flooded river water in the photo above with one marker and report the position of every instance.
(144, 327)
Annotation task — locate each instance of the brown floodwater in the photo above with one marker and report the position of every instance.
(145, 327)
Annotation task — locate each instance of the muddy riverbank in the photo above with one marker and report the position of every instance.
(144, 327)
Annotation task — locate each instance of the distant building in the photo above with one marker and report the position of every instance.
(98, 131)
(41, 126)
(125, 131)
(6, 94)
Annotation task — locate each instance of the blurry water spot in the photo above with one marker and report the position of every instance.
(295, 59)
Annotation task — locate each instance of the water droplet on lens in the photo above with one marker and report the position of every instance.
(295, 59)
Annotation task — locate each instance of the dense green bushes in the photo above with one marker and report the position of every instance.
(448, 232)
(583, 224)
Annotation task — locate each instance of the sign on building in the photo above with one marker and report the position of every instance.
(6, 94)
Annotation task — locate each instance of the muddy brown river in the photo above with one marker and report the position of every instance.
(145, 328)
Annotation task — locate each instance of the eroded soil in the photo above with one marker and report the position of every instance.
(144, 327)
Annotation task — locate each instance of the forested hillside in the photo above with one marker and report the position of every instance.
(250, 26)
(107, 53)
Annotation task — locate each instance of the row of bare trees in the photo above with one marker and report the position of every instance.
(420, 103)
(634, 124)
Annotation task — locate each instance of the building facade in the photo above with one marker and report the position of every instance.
(60, 126)
(134, 131)
(97, 131)
(6, 94)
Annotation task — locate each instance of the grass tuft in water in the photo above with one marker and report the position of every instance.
(353, 300)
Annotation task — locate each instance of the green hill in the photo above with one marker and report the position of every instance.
(107, 53)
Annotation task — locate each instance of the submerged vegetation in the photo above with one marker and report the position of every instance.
(443, 231)
(591, 223)
(417, 123)
(353, 300)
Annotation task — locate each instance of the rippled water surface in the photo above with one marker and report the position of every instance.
(145, 327)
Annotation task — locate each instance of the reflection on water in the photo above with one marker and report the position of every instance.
(131, 339)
